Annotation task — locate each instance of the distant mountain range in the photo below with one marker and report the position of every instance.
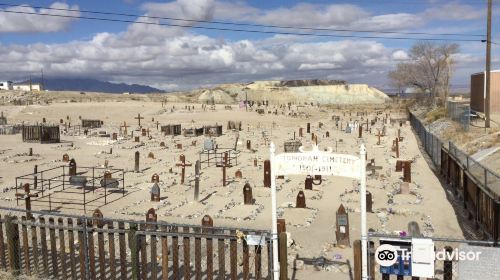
(85, 84)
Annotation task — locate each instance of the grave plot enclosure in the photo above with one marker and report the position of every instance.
(212, 130)
(41, 133)
(171, 129)
(91, 123)
(193, 132)
(69, 187)
(57, 246)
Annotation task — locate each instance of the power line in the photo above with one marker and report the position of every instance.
(244, 30)
(252, 24)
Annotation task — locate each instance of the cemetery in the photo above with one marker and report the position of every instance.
(133, 168)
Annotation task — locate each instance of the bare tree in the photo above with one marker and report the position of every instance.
(429, 69)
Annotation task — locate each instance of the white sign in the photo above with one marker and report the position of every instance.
(422, 261)
(255, 240)
(316, 162)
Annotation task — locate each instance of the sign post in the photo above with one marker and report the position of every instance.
(316, 162)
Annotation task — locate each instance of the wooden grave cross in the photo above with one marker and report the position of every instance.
(183, 164)
(139, 118)
(225, 164)
(27, 197)
(124, 126)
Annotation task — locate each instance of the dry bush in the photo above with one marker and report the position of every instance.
(435, 115)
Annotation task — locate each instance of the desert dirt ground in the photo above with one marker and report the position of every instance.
(312, 228)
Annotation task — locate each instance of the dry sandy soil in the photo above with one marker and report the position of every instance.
(312, 229)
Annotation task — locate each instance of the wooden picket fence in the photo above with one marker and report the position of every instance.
(65, 247)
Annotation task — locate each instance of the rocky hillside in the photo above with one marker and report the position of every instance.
(296, 91)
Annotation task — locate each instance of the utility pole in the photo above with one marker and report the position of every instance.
(488, 68)
(43, 83)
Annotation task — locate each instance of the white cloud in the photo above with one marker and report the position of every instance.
(17, 22)
(400, 55)
(454, 11)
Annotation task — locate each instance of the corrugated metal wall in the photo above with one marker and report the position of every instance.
(477, 92)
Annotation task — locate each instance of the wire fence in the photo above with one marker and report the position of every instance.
(432, 145)
(59, 246)
(459, 112)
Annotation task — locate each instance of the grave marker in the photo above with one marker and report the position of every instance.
(247, 194)
(136, 139)
(342, 231)
(183, 164)
(151, 155)
(369, 202)
(155, 178)
(27, 198)
(155, 193)
(301, 200)
(249, 145)
(225, 164)
(267, 173)
(124, 126)
(301, 132)
(139, 118)
(308, 128)
(72, 167)
(136, 166)
(308, 183)
(407, 171)
(404, 188)
(115, 136)
(197, 180)
(238, 174)
(65, 158)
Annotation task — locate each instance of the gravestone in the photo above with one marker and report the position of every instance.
(360, 131)
(151, 219)
(151, 155)
(162, 144)
(65, 158)
(327, 134)
(404, 188)
(197, 180)
(267, 173)
(301, 200)
(179, 146)
(301, 132)
(407, 171)
(249, 145)
(247, 194)
(207, 222)
(238, 174)
(342, 227)
(136, 139)
(308, 128)
(155, 178)
(255, 162)
(308, 183)
(155, 193)
(143, 132)
(136, 165)
(414, 230)
(72, 167)
(399, 165)
(97, 218)
(107, 174)
(114, 136)
(369, 202)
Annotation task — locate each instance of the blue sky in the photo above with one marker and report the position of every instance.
(176, 58)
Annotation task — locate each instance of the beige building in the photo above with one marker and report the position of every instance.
(28, 87)
(477, 92)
